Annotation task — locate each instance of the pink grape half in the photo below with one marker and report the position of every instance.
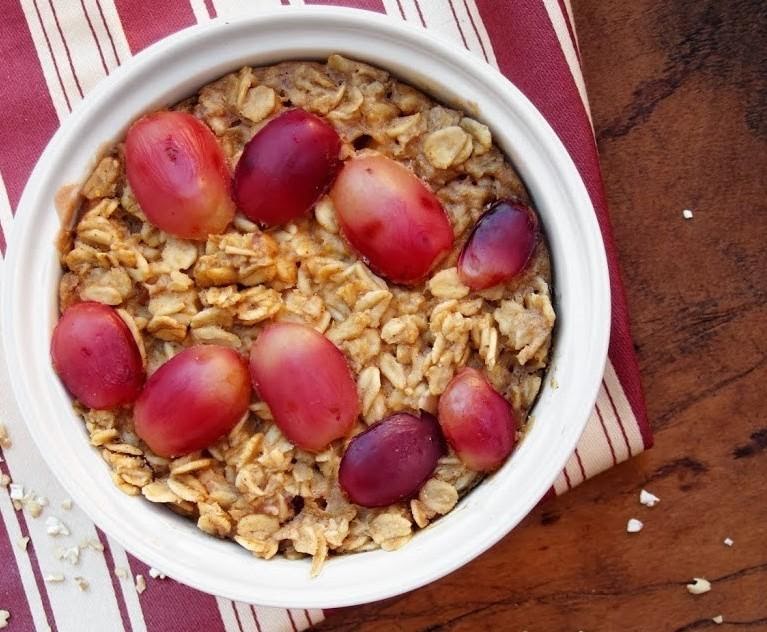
(192, 400)
(477, 421)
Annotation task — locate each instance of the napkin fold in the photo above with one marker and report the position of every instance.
(54, 52)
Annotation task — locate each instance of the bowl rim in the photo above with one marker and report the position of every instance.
(152, 550)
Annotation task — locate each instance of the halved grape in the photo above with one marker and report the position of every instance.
(391, 460)
(286, 167)
(391, 218)
(193, 399)
(96, 357)
(477, 421)
(307, 384)
(179, 174)
(500, 245)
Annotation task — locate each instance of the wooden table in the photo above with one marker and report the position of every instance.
(679, 97)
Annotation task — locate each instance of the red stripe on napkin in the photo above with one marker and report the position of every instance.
(66, 46)
(146, 22)
(109, 33)
(11, 588)
(168, 605)
(33, 561)
(95, 38)
(570, 28)
(370, 5)
(115, 581)
(27, 118)
(607, 435)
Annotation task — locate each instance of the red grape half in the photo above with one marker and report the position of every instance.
(178, 173)
(96, 357)
(391, 460)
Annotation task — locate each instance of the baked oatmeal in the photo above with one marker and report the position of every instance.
(405, 337)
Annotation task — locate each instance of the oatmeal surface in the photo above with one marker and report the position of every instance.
(403, 344)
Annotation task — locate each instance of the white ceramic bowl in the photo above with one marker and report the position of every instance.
(176, 67)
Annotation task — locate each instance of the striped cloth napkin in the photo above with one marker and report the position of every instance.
(54, 52)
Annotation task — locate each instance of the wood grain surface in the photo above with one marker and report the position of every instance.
(678, 91)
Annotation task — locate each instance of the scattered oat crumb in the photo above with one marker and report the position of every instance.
(554, 383)
(70, 554)
(32, 505)
(82, 583)
(5, 440)
(54, 578)
(66, 504)
(687, 213)
(4, 616)
(648, 499)
(718, 619)
(22, 543)
(155, 574)
(728, 542)
(17, 491)
(54, 527)
(699, 586)
(121, 572)
(140, 584)
(92, 543)
(5, 480)
(634, 525)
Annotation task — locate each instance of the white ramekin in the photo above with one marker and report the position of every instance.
(174, 68)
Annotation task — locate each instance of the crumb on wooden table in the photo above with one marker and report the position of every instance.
(698, 586)
(648, 499)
